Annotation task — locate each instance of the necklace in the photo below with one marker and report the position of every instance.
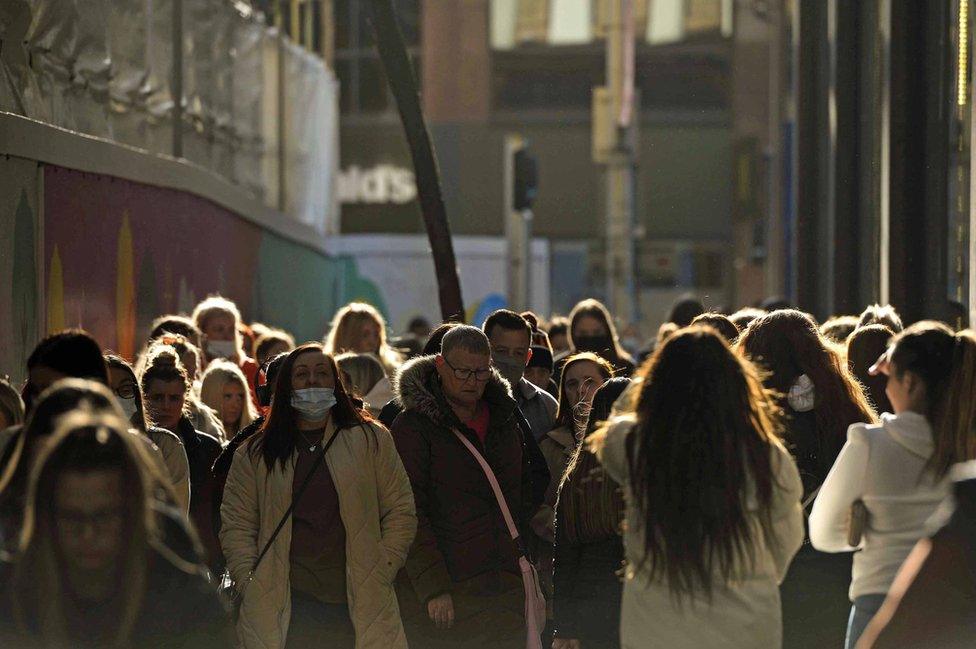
(312, 445)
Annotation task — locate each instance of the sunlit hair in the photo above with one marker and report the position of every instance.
(270, 339)
(788, 344)
(595, 309)
(163, 364)
(184, 347)
(467, 338)
(115, 362)
(665, 331)
(946, 363)
(83, 443)
(744, 317)
(175, 324)
(11, 405)
(216, 305)
(215, 378)
(275, 442)
(720, 323)
(839, 328)
(364, 372)
(346, 329)
(590, 505)
(570, 412)
(864, 347)
(881, 314)
(705, 430)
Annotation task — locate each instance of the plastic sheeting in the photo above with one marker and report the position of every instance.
(311, 124)
(105, 68)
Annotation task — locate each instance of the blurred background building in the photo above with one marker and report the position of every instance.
(818, 151)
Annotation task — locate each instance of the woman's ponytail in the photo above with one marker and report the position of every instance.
(954, 411)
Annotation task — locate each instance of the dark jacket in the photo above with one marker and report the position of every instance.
(814, 595)
(589, 555)
(221, 467)
(201, 453)
(181, 609)
(804, 444)
(460, 530)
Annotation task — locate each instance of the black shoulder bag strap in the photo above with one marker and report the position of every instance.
(291, 508)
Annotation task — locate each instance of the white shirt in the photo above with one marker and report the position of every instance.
(885, 467)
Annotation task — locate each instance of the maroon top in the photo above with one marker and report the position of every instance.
(318, 537)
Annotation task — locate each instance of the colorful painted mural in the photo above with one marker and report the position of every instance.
(109, 255)
(18, 263)
(161, 251)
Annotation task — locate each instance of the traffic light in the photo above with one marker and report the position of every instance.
(526, 177)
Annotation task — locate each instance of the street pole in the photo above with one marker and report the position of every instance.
(403, 85)
(614, 146)
(176, 87)
(518, 232)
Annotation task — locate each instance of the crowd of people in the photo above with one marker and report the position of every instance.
(749, 480)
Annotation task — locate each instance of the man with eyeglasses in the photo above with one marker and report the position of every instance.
(461, 585)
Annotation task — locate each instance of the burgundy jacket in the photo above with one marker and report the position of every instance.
(460, 530)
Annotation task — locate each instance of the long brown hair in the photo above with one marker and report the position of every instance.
(946, 364)
(84, 442)
(590, 505)
(788, 344)
(568, 414)
(277, 437)
(705, 430)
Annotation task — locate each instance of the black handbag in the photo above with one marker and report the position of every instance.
(232, 592)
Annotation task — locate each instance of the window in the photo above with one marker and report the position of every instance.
(363, 85)
(518, 23)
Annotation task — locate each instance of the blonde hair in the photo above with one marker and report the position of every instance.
(345, 329)
(217, 305)
(218, 374)
(364, 372)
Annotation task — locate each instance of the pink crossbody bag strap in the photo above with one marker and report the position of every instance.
(493, 481)
(535, 603)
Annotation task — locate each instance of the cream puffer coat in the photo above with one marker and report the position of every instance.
(377, 509)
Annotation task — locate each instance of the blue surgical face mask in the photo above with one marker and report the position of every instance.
(129, 408)
(221, 348)
(313, 404)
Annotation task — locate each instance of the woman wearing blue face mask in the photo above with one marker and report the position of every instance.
(320, 494)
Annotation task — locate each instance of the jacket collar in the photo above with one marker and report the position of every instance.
(564, 437)
(526, 390)
(418, 388)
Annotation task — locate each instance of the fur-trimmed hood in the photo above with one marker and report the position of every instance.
(414, 386)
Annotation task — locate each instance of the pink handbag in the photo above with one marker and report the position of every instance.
(535, 601)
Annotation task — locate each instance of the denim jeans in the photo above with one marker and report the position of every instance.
(863, 610)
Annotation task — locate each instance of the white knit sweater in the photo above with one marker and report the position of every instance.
(884, 466)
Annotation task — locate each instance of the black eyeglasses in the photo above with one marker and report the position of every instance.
(126, 391)
(462, 374)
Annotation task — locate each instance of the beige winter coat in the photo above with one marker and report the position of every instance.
(377, 509)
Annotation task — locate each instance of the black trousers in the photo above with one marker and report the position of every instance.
(315, 624)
